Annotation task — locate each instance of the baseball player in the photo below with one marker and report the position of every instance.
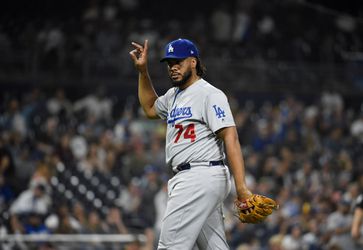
(200, 128)
(357, 224)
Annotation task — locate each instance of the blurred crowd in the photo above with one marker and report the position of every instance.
(65, 165)
(74, 167)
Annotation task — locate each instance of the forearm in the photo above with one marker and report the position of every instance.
(236, 163)
(357, 221)
(147, 94)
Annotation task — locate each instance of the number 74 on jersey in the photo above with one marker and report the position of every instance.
(187, 131)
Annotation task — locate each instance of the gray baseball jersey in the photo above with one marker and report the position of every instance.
(193, 116)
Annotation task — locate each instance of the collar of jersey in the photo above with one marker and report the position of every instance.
(178, 90)
(194, 84)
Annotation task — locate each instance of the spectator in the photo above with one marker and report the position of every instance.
(339, 224)
(114, 222)
(63, 149)
(264, 135)
(46, 138)
(34, 109)
(12, 120)
(79, 147)
(62, 222)
(130, 200)
(35, 200)
(96, 105)
(221, 24)
(94, 225)
(135, 160)
(310, 238)
(24, 163)
(292, 240)
(275, 242)
(60, 106)
(79, 214)
(51, 42)
(156, 154)
(150, 185)
(242, 21)
(92, 162)
(109, 166)
(331, 102)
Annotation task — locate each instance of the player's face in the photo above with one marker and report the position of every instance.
(180, 71)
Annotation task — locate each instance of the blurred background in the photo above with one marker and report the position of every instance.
(78, 157)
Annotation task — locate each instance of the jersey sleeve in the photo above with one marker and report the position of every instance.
(161, 105)
(218, 112)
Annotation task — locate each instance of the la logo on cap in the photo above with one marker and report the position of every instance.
(170, 49)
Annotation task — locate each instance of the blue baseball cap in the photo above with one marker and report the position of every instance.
(180, 49)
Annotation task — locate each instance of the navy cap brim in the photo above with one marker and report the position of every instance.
(175, 57)
(171, 57)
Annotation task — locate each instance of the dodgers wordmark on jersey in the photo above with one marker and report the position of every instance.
(193, 115)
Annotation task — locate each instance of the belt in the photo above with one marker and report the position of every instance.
(185, 166)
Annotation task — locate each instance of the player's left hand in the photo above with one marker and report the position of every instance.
(255, 209)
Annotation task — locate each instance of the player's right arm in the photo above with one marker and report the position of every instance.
(357, 218)
(146, 91)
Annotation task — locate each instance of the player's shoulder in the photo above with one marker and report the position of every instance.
(209, 89)
(172, 91)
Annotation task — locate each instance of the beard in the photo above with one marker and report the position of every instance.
(186, 76)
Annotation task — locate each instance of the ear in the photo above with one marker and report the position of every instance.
(194, 62)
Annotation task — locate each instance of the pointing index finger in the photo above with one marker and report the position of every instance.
(136, 45)
(146, 46)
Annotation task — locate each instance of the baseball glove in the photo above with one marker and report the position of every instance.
(254, 209)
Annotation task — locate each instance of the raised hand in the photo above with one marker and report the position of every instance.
(139, 56)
